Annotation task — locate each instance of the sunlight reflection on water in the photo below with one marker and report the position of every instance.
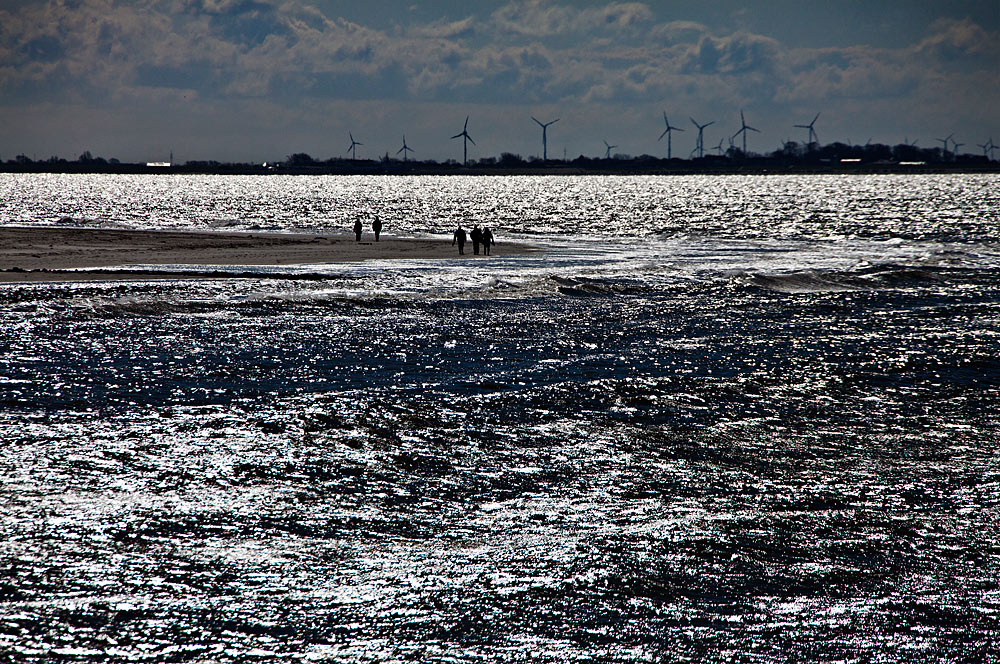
(765, 430)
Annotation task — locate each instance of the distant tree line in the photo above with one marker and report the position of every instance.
(790, 157)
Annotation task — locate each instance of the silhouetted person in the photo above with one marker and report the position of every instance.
(487, 240)
(377, 227)
(460, 239)
(357, 230)
(476, 236)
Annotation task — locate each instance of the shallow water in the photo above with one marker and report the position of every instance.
(717, 419)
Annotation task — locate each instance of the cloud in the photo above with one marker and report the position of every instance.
(536, 18)
(959, 40)
(679, 32)
(739, 53)
(849, 74)
(619, 56)
(448, 29)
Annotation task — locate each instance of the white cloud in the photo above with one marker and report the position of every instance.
(537, 18)
(958, 39)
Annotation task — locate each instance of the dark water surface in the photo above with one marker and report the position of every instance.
(766, 430)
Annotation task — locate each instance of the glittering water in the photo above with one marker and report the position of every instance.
(717, 419)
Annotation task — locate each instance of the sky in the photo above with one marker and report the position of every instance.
(258, 80)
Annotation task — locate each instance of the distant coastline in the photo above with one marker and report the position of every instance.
(833, 159)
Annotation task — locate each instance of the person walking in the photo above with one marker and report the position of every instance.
(377, 227)
(357, 230)
(487, 238)
(460, 239)
(476, 236)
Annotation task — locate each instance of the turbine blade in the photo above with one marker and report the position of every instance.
(539, 123)
(665, 132)
(470, 139)
(457, 136)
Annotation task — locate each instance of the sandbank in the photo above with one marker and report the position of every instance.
(33, 254)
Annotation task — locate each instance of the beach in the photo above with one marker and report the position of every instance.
(59, 253)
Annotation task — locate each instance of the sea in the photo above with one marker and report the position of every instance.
(707, 419)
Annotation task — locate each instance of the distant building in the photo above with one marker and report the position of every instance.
(162, 164)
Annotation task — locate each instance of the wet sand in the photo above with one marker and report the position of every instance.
(31, 254)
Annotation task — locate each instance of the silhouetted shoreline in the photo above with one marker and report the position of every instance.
(826, 160)
(549, 169)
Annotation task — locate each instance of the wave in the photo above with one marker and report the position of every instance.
(153, 306)
(589, 286)
(873, 278)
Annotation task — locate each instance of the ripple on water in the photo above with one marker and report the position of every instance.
(721, 443)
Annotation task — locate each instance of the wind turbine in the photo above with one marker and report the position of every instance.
(666, 132)
(718, 148)
(944, 146)
(813, 138)
(354, 147)
(700, 145)
(405, 148)
(466, 139)
(954, 147)
(743, 130)
(986, 146)
(607, 151)
(545, 142)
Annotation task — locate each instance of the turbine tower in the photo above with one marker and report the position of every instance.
(466, 139)
(545, 142)
(700, 145)
(944, 146)
(608, 148)
(405, 148)
(666, 132)
(743, 130)
(812, 131)
(354, 147)
(955, 145)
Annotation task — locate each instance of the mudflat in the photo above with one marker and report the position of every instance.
(58, 253)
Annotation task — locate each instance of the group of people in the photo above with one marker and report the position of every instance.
(376, 228)
(479, 236)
